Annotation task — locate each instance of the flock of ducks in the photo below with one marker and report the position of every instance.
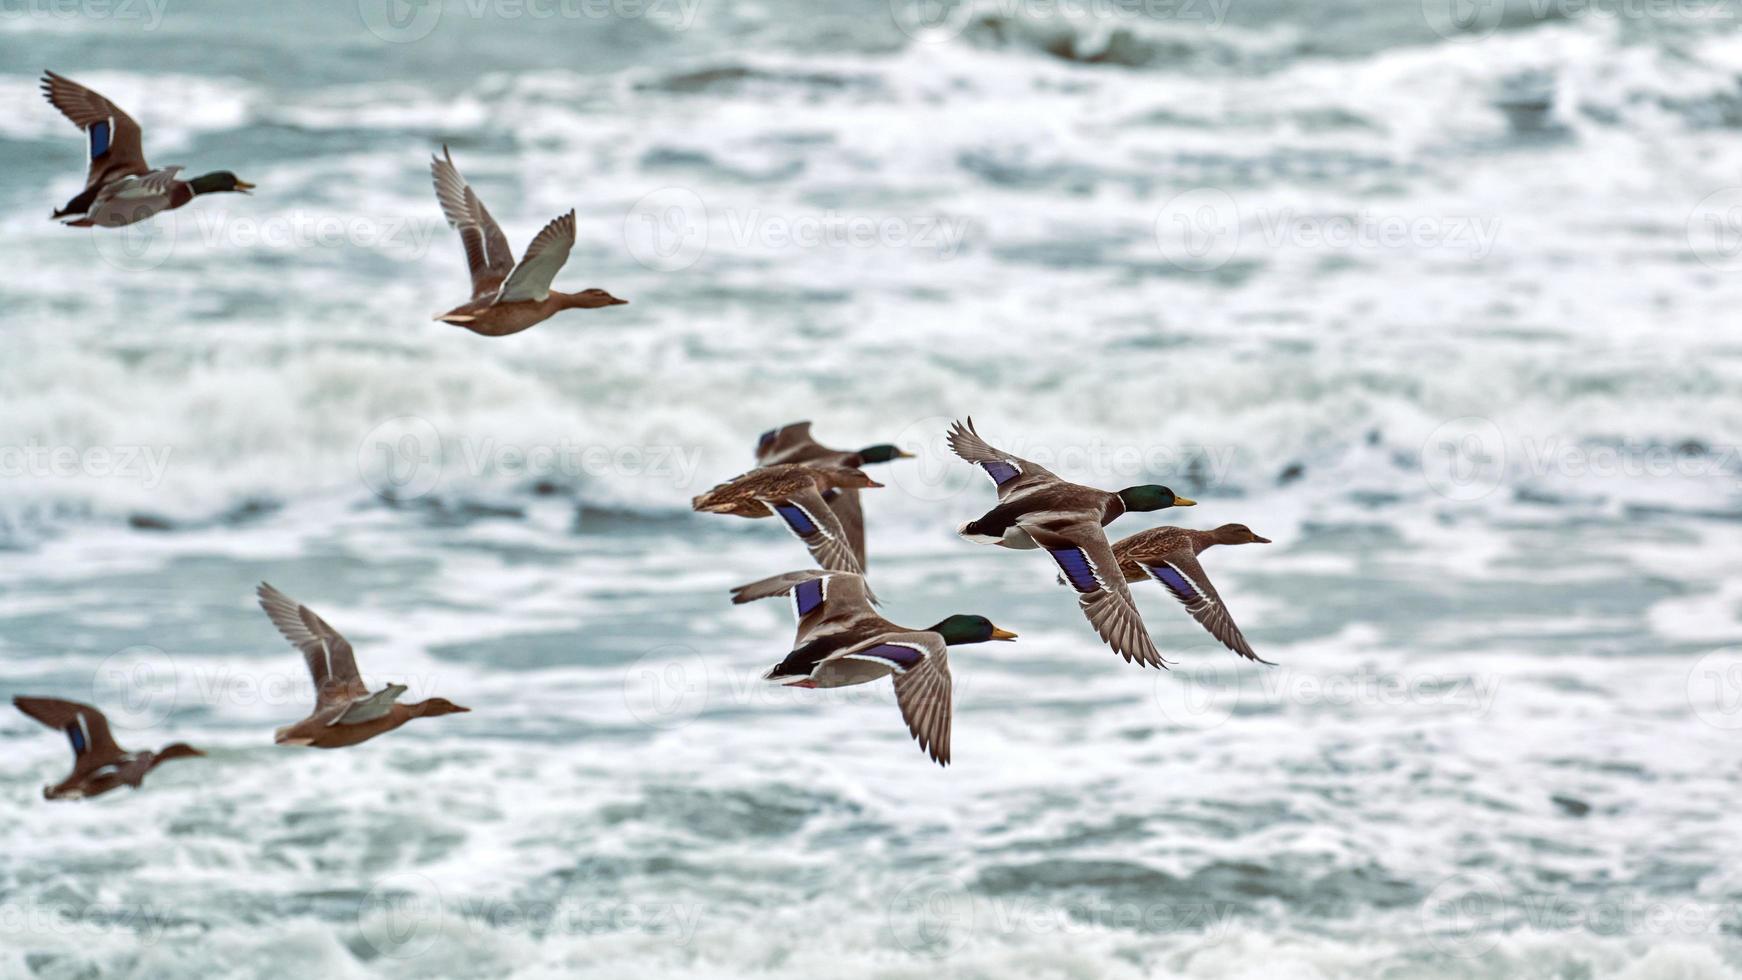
(812, 489)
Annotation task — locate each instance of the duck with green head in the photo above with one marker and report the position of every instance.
(1037, 509)
(120, 187)
(842, 641)
(793, 444)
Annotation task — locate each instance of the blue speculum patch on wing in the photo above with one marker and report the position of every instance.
(766, 440)
(1166, 575)
(1001, 472)
(99, 138)
(1075, 565)
(797, 519)
(901, 656)
(77, 736)
(808, 595)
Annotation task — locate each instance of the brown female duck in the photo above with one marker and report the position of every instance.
(1170, 556)
(99, 765)
(794, 492)
(793, 444)
(507, 297)
(345, 712)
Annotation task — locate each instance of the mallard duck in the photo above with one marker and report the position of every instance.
(841, 641)
(345, 712)
(120, 188)
(793, 444)
(794, 493)
(1170, 556)
(1038, 509)
(99, 765)
(507, 297)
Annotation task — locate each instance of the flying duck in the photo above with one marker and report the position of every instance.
(793, 444)
(507, 297)
(1170, 556)
(345, 712)
(120, 188)
(841, 642)
(99, 765)
(1038, 509)
(794, 492)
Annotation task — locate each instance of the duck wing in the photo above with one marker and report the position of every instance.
(1182, 575)
(1080, 548)
(809, 519)
(789, 444)
(923, 690)
(116, 147)
(1009, 474)
(530, 281)
(850, 511)
(331, 662)
(488, 254)
(818, 596)
(85, 727)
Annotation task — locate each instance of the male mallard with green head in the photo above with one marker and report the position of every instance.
(120, 188)
(794, 493)
(345, 712)
(841, 641)
(1170, 556)
(99, 765)
(793, 444)
(1038, 509)
(507, 297)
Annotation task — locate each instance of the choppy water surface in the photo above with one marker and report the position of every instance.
(1448, 313)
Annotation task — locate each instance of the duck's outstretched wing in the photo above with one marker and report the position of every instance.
(85, 728)
(115, 144)
(818, 596)
(811, 521)
(488, 254)
(1082, 553)
(790, 443)
(530, 281)
(330, 660)
(924, 692)
(1182, 575)
(850, 511)
(1009, 473)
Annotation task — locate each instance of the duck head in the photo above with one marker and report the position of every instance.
(882, 453)
(219, 180)
(436, 706)
(592, 299)
(844, 478)
(176, 750)
(1151, 496)
(1237, 534)
(961, 628)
